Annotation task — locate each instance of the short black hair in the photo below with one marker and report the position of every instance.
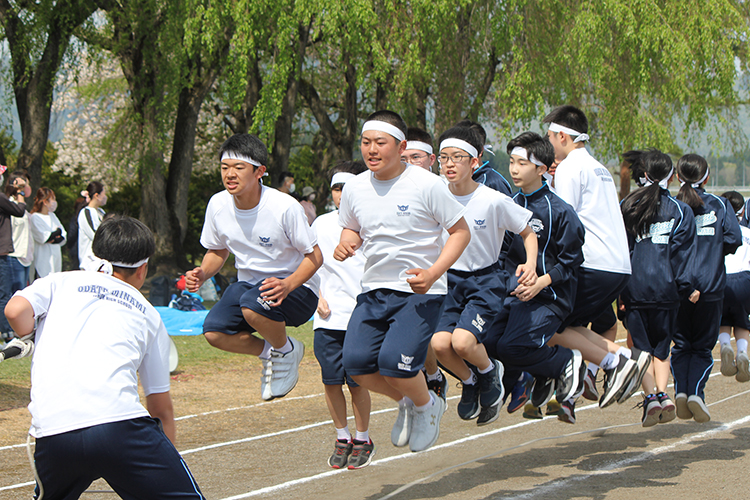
(417, 134)
(349, 166)
(569, 116)
(283, 177)
(476, 127)
(246, 145)
(534, 144)
(124, 239)
(390, 117)
(735, 199)
(465, 134)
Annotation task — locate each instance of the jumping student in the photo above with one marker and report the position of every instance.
(100, 336)
(483, 172)
(419, 149)
(339, 287)
(533, 312)
(736, 306)
(395, 214)
(717, 234)
(276, 256)
(587, 186)
(661, 236)
(476, 284)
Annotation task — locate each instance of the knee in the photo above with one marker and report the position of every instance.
(441, 343)
(215, 339)
(463, 342)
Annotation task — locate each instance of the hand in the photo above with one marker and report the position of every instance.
(525, 293)
(527, 273)
(422, 280)
(343, 251)
(323, 310)
(274, 291)
(194, 279)
(694, 297)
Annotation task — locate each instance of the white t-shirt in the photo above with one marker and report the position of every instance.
(340, 282)
(47, 256)
(86, 231)
(400, 221)
(267, 241)
(740, 260)
(489, 214)
(98, 332)
(587, 186)
(23, 243)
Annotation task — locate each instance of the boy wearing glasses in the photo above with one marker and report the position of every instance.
(476, 284)
(395, 215)
(418, 149)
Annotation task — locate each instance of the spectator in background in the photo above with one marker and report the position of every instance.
(89, 219)
(286, 183)
(23, 245)
(308, 196)
(48, 232)
(12, 205)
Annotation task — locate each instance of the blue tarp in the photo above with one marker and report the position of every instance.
(182, 322)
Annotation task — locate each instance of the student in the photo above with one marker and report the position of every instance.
(10, 206)
(89, 218)
(484, 173)
(276, 256)
(339, 287)
(99, 337)
(419, 149)
(661, 237)
(717, 234)
(736, 305)
(395, 214)
(48, 232)
(286, 183)
(476, 285)
(23, 244)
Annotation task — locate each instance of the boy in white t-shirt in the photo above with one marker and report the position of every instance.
(96, 337)
(395, 215)
(419, 149)
(276, 256)
(476, 281)
(340, 283)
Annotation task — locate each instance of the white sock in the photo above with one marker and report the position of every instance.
(266, 353)
(625, 352)
(742, 345)
(287, 347)
(725, 338)
(610, 361)
(471, 380)
(343, 434)
(435, 376)
(488, 369)
(427, 406)
(363, 436)
(593, 368)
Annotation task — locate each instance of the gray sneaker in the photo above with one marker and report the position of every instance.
(728, 367)
(425, 428)
(285, 369)
(401, 431)
(699, 409)
(681, 407)
(743, 367)
(265, 380)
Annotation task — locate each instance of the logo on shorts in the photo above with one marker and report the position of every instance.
(403, 210)
(405, 363)
(702, 221)
(264, 303)
(265, 242)
(478, 323)
(480, 223)
(536, 225)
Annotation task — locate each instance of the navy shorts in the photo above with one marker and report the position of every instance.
(389, 332)
(595, 293)
(473, 301)
(226, 315)
(652, 329)
(133, 456)
(605, 321)
(329, 351)
(737, 301)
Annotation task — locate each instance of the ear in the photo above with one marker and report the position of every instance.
(474, 163)
(401, 147)
(142, 271)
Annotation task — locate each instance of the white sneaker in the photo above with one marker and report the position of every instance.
(728, 368)
(682, 410)
(699, 409)
(743, 367)
(425, 427)
(265, 380)
(285, 369)
(401, 431)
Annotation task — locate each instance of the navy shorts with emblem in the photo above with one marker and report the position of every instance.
(736, 301)
(389, 332)
(652, 329)
(473, 302)
(226, 315)
(595, 293)
(329, 351)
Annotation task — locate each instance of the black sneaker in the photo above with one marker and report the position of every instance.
(616, 380)
(488, 414)
(440, 386)
(568, 414)
(542, 391)
(468, 407)
(570, 381)
(341, 453)
(589, 387)
(491, 391)
(651, 410)
(667, 408)
(642, 360)
(521, 393)
(362, 453)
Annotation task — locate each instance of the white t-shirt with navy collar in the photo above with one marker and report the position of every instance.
(400, 221)
(267, 241)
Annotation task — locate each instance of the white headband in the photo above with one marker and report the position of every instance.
(488, 148)
(556, 127)
(452, 142)
(664, 183)
(697, 184)
(422, 146)
(98, 265)
(519, 151)
(341, 178)
(230, 155)
(381, 126)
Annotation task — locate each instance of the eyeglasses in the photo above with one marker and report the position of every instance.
(454, 158)
(413, 158)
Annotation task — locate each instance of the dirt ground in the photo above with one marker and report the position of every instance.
(238, 446)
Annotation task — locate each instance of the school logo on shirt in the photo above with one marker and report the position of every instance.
(265, 241)
(478, 323)
(703, 222)
(403, 210)
(659, 232)
(479, 224)
(536, 225)
(603, 174)
(405, 363)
